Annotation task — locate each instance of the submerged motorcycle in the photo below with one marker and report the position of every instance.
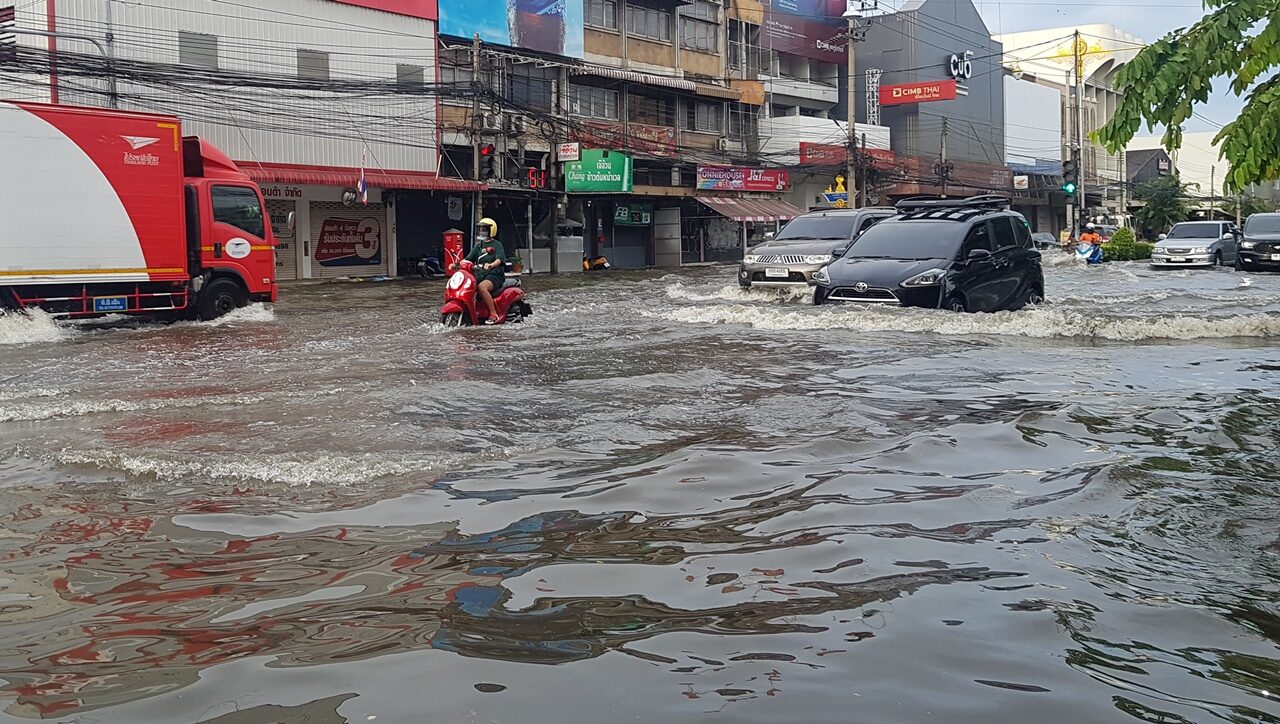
(463, 308)
(1091, 253)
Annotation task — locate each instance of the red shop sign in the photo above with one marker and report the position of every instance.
(934, 90)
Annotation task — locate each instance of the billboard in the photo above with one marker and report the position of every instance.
(822, 154)
(413, 8)
(809, 28)
(737, 178)
(598, 171)
(934, 90)
(547, 26)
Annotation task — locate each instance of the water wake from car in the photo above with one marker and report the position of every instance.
(31, 327)
(1041, 323)
(253, 313)
(735, 293)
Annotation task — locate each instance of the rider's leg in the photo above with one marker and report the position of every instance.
(486, 294)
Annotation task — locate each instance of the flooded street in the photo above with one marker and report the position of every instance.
(661, 499)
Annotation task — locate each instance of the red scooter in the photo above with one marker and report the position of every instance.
(462, 308)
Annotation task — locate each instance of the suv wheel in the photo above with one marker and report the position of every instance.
(1217, 258)
(955, 303)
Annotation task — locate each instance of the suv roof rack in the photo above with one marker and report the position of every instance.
(989, 201)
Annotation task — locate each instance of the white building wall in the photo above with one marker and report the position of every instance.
(1032, 122)
(1197, 161)
(395, 131)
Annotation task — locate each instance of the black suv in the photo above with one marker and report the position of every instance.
(967, 255)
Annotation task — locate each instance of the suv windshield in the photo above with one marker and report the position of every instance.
(917, 239)
(1269, 224)
(1202, 230)
(836, 227)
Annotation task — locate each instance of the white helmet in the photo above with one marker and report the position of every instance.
(1089, 226)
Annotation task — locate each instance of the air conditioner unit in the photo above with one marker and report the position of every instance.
(722, 144)
(491, 122)
(514, 124)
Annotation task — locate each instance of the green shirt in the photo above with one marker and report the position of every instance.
(480, 257)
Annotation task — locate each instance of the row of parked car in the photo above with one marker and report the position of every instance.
(1256, 247)
(971, 254)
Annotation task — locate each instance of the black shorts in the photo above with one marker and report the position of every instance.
(498, 279)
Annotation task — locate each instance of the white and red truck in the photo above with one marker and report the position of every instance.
(115, 212)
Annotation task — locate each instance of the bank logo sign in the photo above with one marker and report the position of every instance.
(598, 171)
(934, 90)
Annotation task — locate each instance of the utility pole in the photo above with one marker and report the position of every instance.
(1213, 190)
(113, 95)
(943, 171)
(851, 170)
(1079, 140)
(1237, 209)
(477, 210)
(863, 183)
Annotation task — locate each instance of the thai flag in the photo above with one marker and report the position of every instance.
(362, 187)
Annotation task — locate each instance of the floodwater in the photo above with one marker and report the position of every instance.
(661, 499)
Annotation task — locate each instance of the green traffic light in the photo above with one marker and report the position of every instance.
(1069, 188)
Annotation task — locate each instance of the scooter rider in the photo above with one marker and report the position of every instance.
(490, 260)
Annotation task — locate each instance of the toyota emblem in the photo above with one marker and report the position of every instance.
(860, 287)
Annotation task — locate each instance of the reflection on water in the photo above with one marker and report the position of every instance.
(797, 519)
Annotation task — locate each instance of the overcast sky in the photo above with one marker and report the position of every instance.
(1147, 19)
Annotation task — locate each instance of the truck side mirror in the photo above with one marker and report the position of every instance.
(1162, 237)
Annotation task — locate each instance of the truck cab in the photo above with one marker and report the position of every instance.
(229, 237)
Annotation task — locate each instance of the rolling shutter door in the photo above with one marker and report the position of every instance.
(348, 241)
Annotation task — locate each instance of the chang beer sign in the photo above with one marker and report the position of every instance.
(598, 171)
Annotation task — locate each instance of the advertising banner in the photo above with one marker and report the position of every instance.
(822, 154)
(735, 178)
(934, 90)
(569, 151)
(598, 171)
(549, 26)
(650, 140)
(349, 241)
(636, 214)
(808, 28)
(425, 9)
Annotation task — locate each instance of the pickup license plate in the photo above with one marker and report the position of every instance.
(1275, 257)
(110, 304)
(776, 273)
(1177, 258)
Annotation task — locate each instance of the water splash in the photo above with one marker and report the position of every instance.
(31, 327)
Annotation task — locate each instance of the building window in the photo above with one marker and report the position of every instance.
(700, 27)
(705, 117)
(313, 65)
(410, 76)
(238, 206)
(649, 23)
(530, 88)
(198, 49)
(743, 121)
(589, 102)
(651, 111)
(602, 14)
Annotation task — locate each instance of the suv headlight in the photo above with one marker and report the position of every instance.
(750, 259)
(818, 259)
(1200, 250)
(1248, 244)
(821, 276)
(926, 279)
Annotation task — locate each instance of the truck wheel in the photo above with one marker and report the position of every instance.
(219, 297)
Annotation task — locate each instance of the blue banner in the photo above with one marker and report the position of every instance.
(547, 26)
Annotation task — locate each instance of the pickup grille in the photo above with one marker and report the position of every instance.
(781, 259)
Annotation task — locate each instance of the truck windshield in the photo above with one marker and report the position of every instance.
(239, 207)
(920, 239)
(836, 227)
(1269, 224)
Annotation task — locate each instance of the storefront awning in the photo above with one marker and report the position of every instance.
(751, 209)
(634, 77)
(349, 177)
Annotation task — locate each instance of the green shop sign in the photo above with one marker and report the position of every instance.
(599, 172)
(633, 214)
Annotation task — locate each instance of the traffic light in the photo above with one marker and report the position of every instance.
(488, 161)
(1070, 176)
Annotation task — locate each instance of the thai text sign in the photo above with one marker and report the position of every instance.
(934, 90)
(736, 178)
(598, 171)
(822, 154)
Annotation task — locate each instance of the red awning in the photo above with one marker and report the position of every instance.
(349, 177)
(751, 209)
